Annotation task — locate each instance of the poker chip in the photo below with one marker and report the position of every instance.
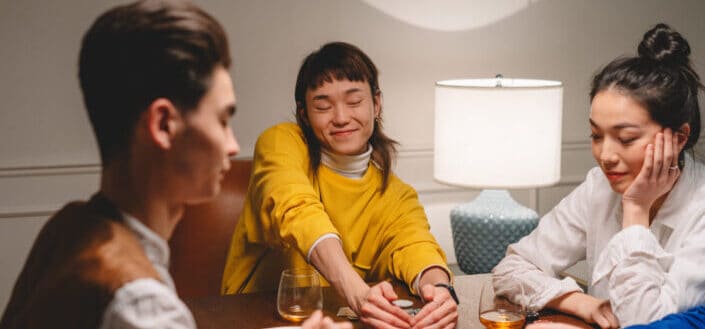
(403, 303)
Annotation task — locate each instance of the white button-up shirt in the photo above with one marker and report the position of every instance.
(148, 303)
(646, 273)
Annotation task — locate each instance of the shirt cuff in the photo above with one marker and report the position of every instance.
(416, 289)
(313, 246)
(633, 241)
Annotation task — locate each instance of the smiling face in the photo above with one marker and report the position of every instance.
(621, 130)
(203, 149)
(342, 114)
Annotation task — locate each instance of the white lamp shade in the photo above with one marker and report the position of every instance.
(498, 137)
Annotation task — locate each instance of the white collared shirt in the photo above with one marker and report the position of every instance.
(148, 303)
(646, 273)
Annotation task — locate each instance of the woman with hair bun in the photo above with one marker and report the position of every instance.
(639, 217)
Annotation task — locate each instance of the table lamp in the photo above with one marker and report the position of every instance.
(495, 134)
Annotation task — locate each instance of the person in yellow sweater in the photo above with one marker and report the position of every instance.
(323, 193)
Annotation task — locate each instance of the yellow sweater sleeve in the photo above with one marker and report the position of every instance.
(408, 245)
(289, 211)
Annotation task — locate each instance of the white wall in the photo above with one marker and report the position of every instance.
(48, 155)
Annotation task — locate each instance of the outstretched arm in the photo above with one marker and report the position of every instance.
(373, 305)
(440, 310)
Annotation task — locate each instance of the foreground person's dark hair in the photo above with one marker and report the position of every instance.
(136, 53)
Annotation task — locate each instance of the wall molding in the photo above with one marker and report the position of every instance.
(33, 211)
(83, 168)
(39, 191)
(50, 170)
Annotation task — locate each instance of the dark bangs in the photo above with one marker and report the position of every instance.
(334, 61)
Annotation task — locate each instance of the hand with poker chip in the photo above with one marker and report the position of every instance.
(441, 308)
(379, 311)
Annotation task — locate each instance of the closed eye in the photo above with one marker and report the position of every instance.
(627, 141)
(595, 137)
(224, 120)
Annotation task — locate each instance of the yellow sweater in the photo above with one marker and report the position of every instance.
(384, 236)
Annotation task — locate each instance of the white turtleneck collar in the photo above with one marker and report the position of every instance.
(351, 166)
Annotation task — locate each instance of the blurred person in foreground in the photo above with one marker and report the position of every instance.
(155, 82)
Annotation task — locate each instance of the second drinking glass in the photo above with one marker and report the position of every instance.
(496, 312)
(299, 294)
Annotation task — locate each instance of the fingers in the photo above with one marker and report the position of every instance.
(672, 140)
(378, 311)
(614, 323)
(669, 168)
(647, 167)
(604, 317)
(606, 311)
(388, 291)
(669, 160)
(440, 312)
(657, 171)
(374, 311)
(427, 292)
(601, 320)
(387, 294)
(676, 149)
(433, 299)
(380, 324)
(437, 316)
(670, 156)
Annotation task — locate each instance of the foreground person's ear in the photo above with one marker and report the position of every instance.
(163, 120)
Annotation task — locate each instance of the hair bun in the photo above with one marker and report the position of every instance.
(664, 44)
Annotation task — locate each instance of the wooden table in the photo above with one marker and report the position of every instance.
(258, 310)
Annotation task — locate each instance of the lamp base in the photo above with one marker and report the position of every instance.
(483, 228)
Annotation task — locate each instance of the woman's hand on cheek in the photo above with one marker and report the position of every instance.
(656, 178)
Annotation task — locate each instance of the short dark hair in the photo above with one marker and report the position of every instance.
(136, 53)
(661, 78)
(338, 61)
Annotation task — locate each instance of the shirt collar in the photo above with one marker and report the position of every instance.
(351, 166)
(156, 248)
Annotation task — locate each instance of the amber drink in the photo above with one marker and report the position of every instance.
(497, 312)
(502, 319)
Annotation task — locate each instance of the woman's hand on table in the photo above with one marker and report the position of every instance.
(376, 309)
(586, 307)
(318, 321)
(440, 310)
(601, 313)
